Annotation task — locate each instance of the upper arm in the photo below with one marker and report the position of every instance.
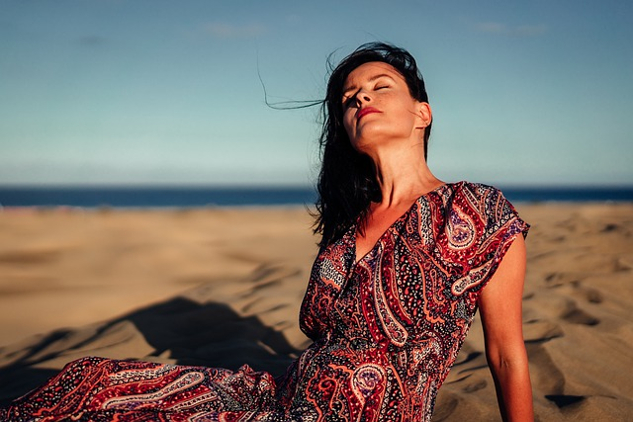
(500, 304)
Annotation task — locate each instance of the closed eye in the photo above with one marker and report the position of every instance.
(348, 101)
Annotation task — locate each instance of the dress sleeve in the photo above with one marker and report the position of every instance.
(501, 226)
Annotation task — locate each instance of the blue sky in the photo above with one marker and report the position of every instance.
(166, 92)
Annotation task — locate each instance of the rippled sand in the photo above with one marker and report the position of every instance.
(222, 287)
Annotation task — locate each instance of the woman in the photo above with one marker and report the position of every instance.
(402, 268)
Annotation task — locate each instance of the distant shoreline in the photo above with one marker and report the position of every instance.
(197, 197)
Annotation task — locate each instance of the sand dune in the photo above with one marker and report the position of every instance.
(222, 287)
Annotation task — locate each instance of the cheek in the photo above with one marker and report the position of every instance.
(348, 119)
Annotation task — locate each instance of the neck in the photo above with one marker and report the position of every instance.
(403, 175)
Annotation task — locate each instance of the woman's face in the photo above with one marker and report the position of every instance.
(378, 108)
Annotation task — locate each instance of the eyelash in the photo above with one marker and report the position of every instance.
(347, 101)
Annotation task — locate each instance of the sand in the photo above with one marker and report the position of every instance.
(222, 287)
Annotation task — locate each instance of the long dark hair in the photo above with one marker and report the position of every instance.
(347, 181)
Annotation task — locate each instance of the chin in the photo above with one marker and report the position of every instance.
(366, 144)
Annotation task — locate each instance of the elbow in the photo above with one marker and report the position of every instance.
(505, 361)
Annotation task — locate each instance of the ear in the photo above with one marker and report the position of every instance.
(424, 114)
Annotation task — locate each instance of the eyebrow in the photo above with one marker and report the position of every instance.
(373, 78)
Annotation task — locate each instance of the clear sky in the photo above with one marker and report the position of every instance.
(167, 92)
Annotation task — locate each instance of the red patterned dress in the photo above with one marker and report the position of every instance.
(386, 331)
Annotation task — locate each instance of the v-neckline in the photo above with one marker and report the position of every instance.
(354, 233)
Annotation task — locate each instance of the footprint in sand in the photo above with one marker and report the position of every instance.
(475, 385)
(545, 374)
(610, 227)
(547, 377)
(591, 295)
(574, 315)
(564, 400)
(528, 296)
(558, 279)
(622, 264)
(445, 407)
(538, 331)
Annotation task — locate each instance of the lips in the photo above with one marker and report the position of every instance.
(366, 110)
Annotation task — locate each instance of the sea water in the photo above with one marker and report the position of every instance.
(188, 196)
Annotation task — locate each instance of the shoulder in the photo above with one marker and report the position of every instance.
(481, 225)
(485, 199)
(476, 191)
(468, 189)
(478, 196)
(481, 202)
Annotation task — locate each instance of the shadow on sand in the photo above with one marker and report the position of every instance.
(180, 330)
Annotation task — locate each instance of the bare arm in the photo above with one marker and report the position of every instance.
(501, 314)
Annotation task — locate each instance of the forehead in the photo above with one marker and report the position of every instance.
(369, 71)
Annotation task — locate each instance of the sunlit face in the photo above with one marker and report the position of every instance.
(378, 107)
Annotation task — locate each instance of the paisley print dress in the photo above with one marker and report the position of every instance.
(386, 330)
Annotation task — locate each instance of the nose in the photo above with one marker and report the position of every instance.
(362, 97)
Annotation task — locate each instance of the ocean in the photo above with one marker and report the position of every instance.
(188, 197)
